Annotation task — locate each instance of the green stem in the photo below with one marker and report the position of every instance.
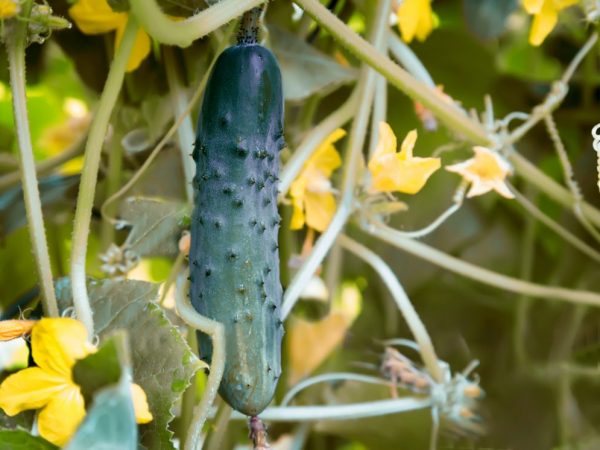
(569, 237)
(447, 113)
(112, 182)
(411, 316)
(524, 302)
(169, 134)
(477, 273)
(318, 134)
(220, 429)
(216, 331)
(451, 115)
(405, 56)
(548, 186)
(366, 87)
(183, 33)
(47, 165)
(16, 43)
(87, 187)
(569, 177)
(185, 132)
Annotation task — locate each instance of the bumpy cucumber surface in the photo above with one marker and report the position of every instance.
(234, 257)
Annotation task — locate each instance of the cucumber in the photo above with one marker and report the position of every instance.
(234, 257)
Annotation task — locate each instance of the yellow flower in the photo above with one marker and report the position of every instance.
(545, 16)
(311, 192)
(486, 171)
(56, 344)
(402, 172)
(97, 17)
(12, 329)
(8, 9)
(416, 18)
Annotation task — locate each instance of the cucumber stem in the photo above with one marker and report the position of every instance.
(249, 26)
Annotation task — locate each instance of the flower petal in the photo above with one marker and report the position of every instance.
(29, 389)
(96, 16)
(326, 158)
(533, 6)
(8, 8)
(141, 47)
(59, 420)
(57, 342)
(501, 188)
(320, 209)
(408, 144)
(387, 141)
(140, 404)
(415, 18)
(415, 173)
(297, 221)
(543, 23)
(11, 329)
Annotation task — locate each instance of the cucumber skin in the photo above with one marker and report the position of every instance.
(234, 257)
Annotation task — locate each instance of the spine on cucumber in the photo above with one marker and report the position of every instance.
(234, 257)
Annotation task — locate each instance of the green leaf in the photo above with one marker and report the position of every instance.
(98, 370)
(306, 71)
(163, 363)
(110, 423)
(155, 225)
(56, 194)
(22, 440)
(528, 63)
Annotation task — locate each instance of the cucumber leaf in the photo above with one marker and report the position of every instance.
(163, 363)
(22, 440)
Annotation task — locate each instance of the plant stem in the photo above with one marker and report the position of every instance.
(451, 115)
(87, 187)
(185, 132)
(16, 44)
(340, 412)
(548, 186)
(112, 182)
(477, 273)
(220, 429)
(366, 86)
(318, 134)
(330, 377)
(47, 165)
(216, 331)
(447, 113)
(524, 302)
(411, 316)
(569, 177)
(569, 237)
(169, 134)
(183, 33)
(405, 56)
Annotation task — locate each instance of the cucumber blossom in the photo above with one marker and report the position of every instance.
(234, 257)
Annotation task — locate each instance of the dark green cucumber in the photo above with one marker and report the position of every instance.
(234, 257)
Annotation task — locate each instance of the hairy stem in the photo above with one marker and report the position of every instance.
(340, 412)
(410, 314)
(317, 135)
(185, 132)
(366, 87)
(182, 33)
(46, 166)
(87, 186)
(169, 134)
(477, 273)
(216, 331)
(16, 43)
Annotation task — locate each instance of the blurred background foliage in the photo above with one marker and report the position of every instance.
(479, 48)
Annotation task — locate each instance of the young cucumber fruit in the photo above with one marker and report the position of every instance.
(234, 257)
